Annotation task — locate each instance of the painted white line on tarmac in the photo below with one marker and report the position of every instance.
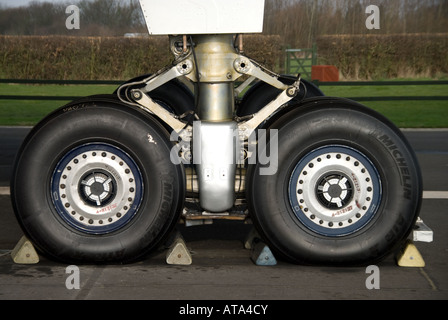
(435, 194)
(4, 191)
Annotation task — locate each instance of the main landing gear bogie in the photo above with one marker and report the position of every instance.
(103, 179)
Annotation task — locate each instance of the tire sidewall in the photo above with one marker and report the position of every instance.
(356, 129)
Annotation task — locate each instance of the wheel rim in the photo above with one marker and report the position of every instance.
(335, 190)
(97, 188)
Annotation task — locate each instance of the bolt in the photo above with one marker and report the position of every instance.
(137, 95)
(291, 91)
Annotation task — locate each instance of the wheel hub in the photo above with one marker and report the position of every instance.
(335, 190)
(97, 188)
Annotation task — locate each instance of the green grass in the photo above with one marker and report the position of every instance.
(405, 114)
(413, 114)
(29, 112)
(385, 91)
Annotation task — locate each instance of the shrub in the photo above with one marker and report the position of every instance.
(105, 58)
(366, 57)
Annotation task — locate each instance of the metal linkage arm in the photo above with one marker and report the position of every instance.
(246, 128)
(245, 65)
(181, 69)
(148, 104)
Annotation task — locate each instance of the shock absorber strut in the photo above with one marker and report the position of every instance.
(216, 135)
(215, 55)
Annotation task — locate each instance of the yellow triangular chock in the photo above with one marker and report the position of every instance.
(409, 256)
(24, 252)
(178, 253)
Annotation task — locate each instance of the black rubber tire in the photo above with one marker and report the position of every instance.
(311, 129)
(134, 135)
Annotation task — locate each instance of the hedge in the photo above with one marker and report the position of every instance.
(110, 58)
(373, 57)
(358, 57)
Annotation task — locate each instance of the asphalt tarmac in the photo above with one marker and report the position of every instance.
(221, 268)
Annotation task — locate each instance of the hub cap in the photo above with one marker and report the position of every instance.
(97, 188)
(335, 190)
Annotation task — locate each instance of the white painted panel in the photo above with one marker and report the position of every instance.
(203, 16)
